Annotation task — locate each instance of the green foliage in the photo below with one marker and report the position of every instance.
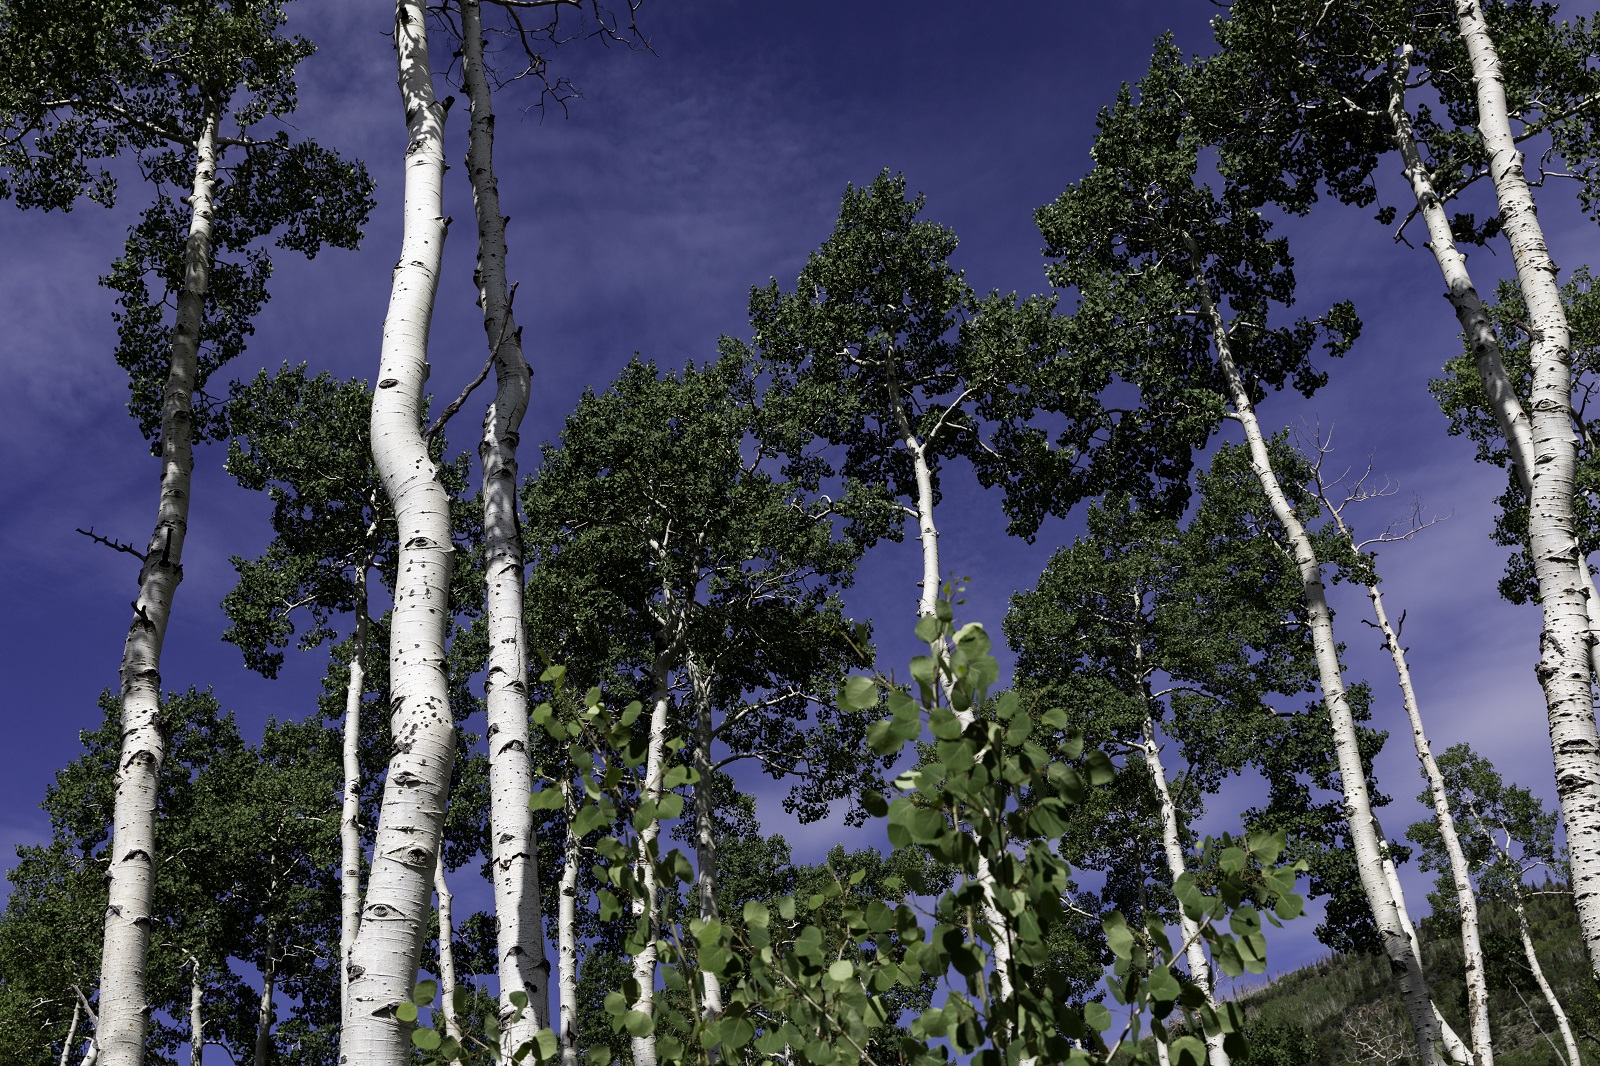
(249, 842)
(822, 974)
(140, 79)
(1461, 397)
(1137, 384)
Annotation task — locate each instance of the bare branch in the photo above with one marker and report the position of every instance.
(115, 544)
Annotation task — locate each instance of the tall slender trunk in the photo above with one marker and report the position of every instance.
(72, 1034)
(130, 875)
(1466, 899)
(1567, 1037)
(350, 813)
(1172, 847)
(1564, 667)
(646, 904)
(447, 952)
(197, 1024)
(705, 840)
(1358, 804)
(383, 959)
(519, 928)
(266, 1010)
(567, 932)
(928, 535)
(1473, 316)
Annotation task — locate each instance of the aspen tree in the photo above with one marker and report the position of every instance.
(706, 590)
(523, 965)
(1144, 244)
(1204, 609)
(870, 360)
(1508, 835)
(156, 81)
(383, 959)
(1346, 77)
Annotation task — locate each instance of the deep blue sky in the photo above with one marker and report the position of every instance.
(638, 224)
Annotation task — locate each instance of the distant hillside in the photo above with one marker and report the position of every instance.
(1345, 1010)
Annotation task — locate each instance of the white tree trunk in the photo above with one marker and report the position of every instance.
(1358, 806)
(567, 933)
(647, 908)
(1466, 900)
(264, 1011)
(1564, 667)
(197, 1023)
(1172, 847)
(705, 840)
(519, 927)
(130, 875)
(1567, 1037)
(72, 1034)
(447, 952)
(350, 812)
(1474, 318)
(410, 820)
(928, 535)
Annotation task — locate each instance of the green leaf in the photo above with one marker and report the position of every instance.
(928, 628)
(406, 1012)
(1096, 1016)
(638, 1023)
(1187, 1050)
(1119, 938)
(519, 999)
(858, 694)
(842, 970)
(423, 994)
(426, 1039)
(546, 799)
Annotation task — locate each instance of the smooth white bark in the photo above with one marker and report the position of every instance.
(350, 811)
(1487, 355)
(265, 1009)
(1567, 1037)
(523, 964)
(928, 537)
(197, 1024)
(1466, 900)
(383, 959)
(1358, 806)
(646, 903)
(130, 874)
(1565, 664)
(567, 932)
(705, 841)
(1172, 848)
(72, 1033)
(447, 951)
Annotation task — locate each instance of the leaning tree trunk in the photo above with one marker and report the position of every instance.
(130, 874)
(928, 535)
(1564, 667)
(383, 960)
(1545, 990)
(519, 935)
(1358, 805)
(567, 930)
(264, 1011)
(350, 812)
(72, 1034)
(1466, 900)
(646, 901)
(705, 840)
(447, 951)
(1487, 355)
(197, 1022)
(1172, 846)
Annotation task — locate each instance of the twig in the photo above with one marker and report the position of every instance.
(483, 375)
(117, 545)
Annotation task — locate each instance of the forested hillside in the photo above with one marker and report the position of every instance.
(915, 651)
